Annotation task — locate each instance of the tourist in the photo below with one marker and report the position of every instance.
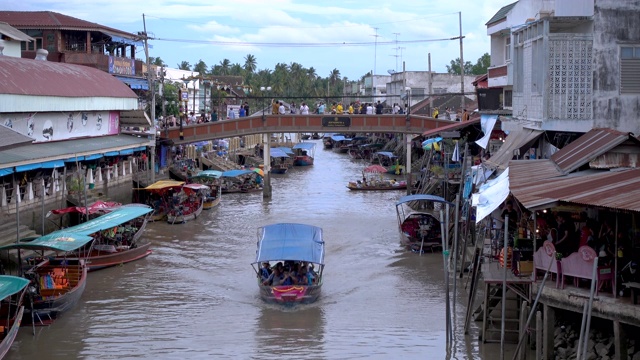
(565, 243)
(265, 271)
(339, 109)
(292, 106)
(281, 109)
(379, 108)
(350, 109)
(241, 112)
(369, 109)
(513, 216)
(465, 115)
(436, 112)
(304, 109)
(246, 109)
(275, 106)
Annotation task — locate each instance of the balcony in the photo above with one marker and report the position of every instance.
(498, 76)
(101, 62)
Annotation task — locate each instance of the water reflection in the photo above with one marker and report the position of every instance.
(291, 333)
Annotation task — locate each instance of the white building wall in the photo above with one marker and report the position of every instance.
(11, 48)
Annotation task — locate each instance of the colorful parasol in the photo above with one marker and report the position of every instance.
(258, 171)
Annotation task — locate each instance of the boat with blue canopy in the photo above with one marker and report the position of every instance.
(280, 161)
(12, 292)
(389, 160)
(241, 180)
(210, 178)
(57, 282)
(418, 221)
(289, 263)
(304, 153)
(116, 237)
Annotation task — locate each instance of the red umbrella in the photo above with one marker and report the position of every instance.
(376, 169)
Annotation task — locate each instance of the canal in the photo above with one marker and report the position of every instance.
(196, 296)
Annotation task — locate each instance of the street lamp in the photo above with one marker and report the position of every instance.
(205, 83)
(264, 89)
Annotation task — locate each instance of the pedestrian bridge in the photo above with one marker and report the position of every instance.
(396, 123)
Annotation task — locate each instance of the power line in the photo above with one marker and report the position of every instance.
(318, 44)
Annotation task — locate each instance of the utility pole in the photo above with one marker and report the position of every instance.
(152, 148)
(375, 50)
(397, 48)
(461, 63)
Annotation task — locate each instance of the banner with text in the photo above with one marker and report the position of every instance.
(45, 127)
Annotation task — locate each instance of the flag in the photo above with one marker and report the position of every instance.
(455, 157)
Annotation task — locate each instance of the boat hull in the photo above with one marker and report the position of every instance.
(51, 303)
(355, 187)
(290, 294)
(303, 161)
(98, 261)
(10, 336)
(279, 170)
(211, 202)
(182, 218)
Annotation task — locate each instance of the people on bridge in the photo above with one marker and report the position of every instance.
(339, 109)
(281, 109)
(242, 112)
(369, 109)
(275, 106)
(379, 108)
(304, 109)
(246, 109)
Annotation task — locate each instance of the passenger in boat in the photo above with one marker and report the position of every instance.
(277, 276)
(265, 271)
(312, 276)
(301, 276)
(289, 276)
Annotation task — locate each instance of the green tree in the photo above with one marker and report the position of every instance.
(250, 63)
(454, 68)
(225, 65)
(200, 67)
(184, 66)
(481, 66)
(156, 61)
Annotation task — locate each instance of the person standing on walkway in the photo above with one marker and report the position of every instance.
(465, 115)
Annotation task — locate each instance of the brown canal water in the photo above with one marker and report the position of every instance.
(196, 296)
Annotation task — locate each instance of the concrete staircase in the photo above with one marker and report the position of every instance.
(8, 231)
(218, 163)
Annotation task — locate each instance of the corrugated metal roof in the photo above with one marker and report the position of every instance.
(52, 20)
(44, 78)
(450, 127)
(10, 138)
(523, 173)
(60, 150)
(501, 14)
(610, 189)
(13, 33)
(134, 117)
(517, 139)
(587, 147)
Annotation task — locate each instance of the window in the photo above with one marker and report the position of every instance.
(630, 70)
(508, 99)
(507, 49)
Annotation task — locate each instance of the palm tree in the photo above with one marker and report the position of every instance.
(236, 69)
(250, 63)
(200, 67)
(184, 66)
(224, 67)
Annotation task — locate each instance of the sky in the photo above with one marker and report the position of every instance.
(355, 37)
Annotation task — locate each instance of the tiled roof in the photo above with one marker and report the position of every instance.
(13, 33)
(20, 76)
(52, 20)
(501, 14)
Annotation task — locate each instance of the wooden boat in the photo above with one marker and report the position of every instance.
(280, 161)
(240, 181)
(304, 153)
(419, 227)
(12, 293)
(159, 195)
(293, 245)
(315, 136)
(187, 204)
(116, 237)
(210, 178)
(57, 282)
(380, 185)
(305, 136)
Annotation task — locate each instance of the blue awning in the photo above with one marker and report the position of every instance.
(305, 145)
(52, 164)
(93, 157)
(112, 153)
(134, 83)
(140, 148)
(290, 242)
(5, 172)
(119, 39)
(28, 167)
(74, 159)
(126, 152)
(110, 220)
(275, 152)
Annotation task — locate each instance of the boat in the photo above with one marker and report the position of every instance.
(241, 181)
(305, 136)
(304, 152)
(327, 141)
(116, 237)
(187, 204)
(388, 160)
(290, 245)
(377, 185)
(57, 283)
(364, 151)
(418, 224)
(315, 136)
(159, 195)
(280, 161)
(12, 293)
(210, 178)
